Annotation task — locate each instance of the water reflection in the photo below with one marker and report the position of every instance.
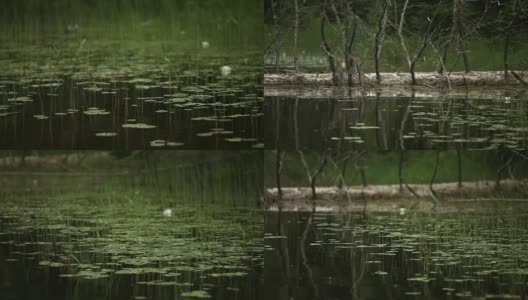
(394, 256)
(397, 121)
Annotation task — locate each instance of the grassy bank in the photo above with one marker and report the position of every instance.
(381, 168)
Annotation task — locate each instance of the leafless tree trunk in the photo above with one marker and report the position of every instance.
(351, 61)
(360, 166)
(443, 59)
(276, 32)
(501, 169)
(295, 37)
(343, 172)
(458, 34)
(435, 171)
(506, 50)
(423, 44)
(417, 55)
(400, 33)
(23, 154)
(326, 47)
(433, 194)
(380, 36)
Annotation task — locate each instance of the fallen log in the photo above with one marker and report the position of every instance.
(311, 92)
(387, 197)
(431, 79)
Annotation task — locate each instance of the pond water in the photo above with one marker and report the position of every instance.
(81, 237)
(119, 75)
(392, 256)
(396, 121)
(60, 91)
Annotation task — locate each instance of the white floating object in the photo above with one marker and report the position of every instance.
(205, 44)
(225, 70)
(402, 211)
(343, 65)
(167, 212)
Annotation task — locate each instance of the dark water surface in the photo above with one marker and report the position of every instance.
(84, 237)
(418, 122)
(392, 256)
(117, 97)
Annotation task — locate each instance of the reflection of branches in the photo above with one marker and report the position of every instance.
(278, 174)
(305, 259)
(404, 121)
(435, 200)
(380, 124)
(297, 146)
(317, 173)
(284, 253)
(357, 280)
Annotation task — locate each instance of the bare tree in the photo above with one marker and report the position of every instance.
(518, 10)
(296, 36)
(276, 31)
(458, 34)
(326, 46)
(316, 174)
(435, 171)
(411, 61)
(380, 36)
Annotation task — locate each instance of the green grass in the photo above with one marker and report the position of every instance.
(382, 168)
(196, 178)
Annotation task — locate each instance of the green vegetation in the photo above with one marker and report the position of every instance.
(185, 23)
